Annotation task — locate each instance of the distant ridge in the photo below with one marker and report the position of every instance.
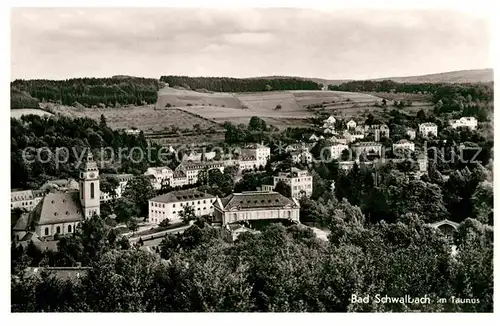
(458, 76)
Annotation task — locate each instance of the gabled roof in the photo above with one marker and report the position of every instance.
(58, 207)
(181, 196)
(22, 223)
(256, 199)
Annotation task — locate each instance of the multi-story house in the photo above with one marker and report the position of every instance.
(351, 124)
(169, 205)
(380, 131)
(248, 163)
(465, 122)
(25, 199)
(336, 150)
(427, 129)
(255, 205)
(260, 152)
(403, 144)
(300, 182)
(353, 136)
(159, 176)
(369, 148)
(192, 169)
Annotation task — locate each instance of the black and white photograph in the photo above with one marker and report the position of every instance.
(249, 159)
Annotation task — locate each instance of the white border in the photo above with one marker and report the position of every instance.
(480, 7)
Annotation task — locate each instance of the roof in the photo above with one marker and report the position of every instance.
(181, 196)
(199, 165)
(22, 195)
(366, 143)
(179, 174)
(22, 223)
(404, 141)
(58, 207)
(256, 199)
(159, 169)
(294, 172)
(428, 124)
(120, 177)
(59, 272)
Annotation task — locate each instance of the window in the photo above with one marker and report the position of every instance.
(174, 205)
(173, 212)
(204, 201)
(198, 201)
(69, 228)
(46, 231)
(58, 229)
(91, 190)
(289, 214)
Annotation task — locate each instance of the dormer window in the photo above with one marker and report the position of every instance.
(51, 201)
(55, 214)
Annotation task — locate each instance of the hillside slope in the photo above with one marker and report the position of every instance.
(458, 76)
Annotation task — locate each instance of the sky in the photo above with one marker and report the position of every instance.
(336, 43)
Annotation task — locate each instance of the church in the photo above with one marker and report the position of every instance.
(61, 212)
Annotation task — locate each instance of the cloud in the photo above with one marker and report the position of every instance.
(62, 43)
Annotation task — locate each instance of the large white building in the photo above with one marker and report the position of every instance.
(300, 182)
(337, 149)
(370, 148)
(168, 206)
(260, 152)
(255, 205)
(403, 144)
(159, 176)
(25, 199)
(427, 129)
(192, 169)
(466, 122)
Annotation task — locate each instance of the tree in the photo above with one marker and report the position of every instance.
(283, 189)
(268, 88)
(132, 225)
(187, 214)
(139, 191)
(257, 124)
(277, 107)
(109, 186)
(165, 223)
(125, 210)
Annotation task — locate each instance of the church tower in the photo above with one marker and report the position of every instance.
(89, 187)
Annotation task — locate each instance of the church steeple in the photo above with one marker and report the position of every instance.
(89, 187)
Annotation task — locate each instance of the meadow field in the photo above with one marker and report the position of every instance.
(17, 113)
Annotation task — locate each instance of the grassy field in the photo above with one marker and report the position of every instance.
(17, 113)
(240, 107)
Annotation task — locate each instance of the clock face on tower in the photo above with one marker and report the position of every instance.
(92, 175)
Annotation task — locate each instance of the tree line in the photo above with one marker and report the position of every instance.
(227, 84)
(110, 92)
(280, 269)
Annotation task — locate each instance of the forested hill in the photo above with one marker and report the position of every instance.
(86, 91)
(226, 84)
(482, 92)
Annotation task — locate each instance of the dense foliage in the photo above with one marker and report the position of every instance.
(88, 91)
(73, 137)
(280, 269)
(226, 84)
